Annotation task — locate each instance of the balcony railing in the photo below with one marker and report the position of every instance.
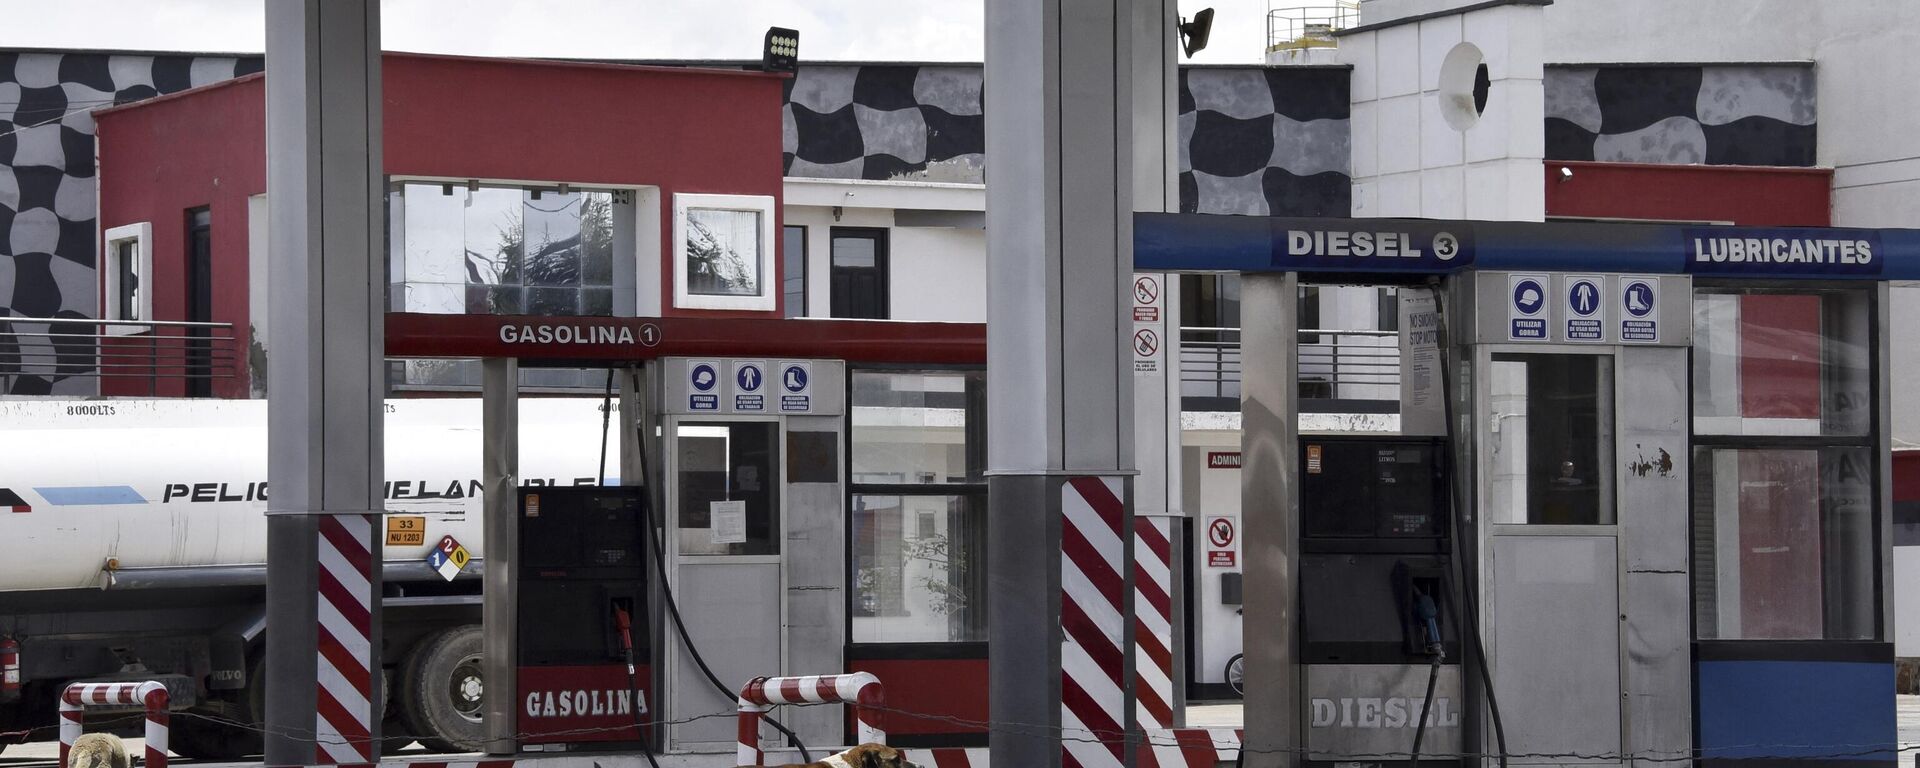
(1309, 26)
(1355, 366)
(152, 358)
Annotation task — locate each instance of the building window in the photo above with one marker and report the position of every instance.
(501, 250)
(917, 528)
(1785, 517)
(1552, 444)
(860, 273)
(723, 252)
(125, 294)
(793, 266)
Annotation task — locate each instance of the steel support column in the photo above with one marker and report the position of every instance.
(326, 381)
(1059, 227)
(500, 477)
(1270, 516)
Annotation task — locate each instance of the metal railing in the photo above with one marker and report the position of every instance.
(179, 357)
(1309, 26)
(1343, 364)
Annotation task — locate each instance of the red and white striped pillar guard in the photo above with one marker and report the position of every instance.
(1093, 623)
(344, 613)
(150, 694)
(862, 689)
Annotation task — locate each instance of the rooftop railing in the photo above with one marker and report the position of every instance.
(128, 357)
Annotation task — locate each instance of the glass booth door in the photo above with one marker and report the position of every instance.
(724, 540)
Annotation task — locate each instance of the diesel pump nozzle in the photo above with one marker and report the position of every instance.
(1426, 614)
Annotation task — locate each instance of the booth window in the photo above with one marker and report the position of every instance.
(129, 265)
(1552, 441)
(500, 250)
(729, 488)
(1783, 545)
(917, 528)
(793, 261)
(1784, 479)
(1781, 364)
(723, 252)
(860, 273)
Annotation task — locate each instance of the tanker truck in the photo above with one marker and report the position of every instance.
(133, 543)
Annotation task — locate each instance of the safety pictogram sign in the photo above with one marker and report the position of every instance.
(449, 558)
(1221, 552)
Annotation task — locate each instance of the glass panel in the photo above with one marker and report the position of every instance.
(596, 235)
(129, 267)
(729, 489)
(1784, 544)
(793, 248)
(919, 569)
(1781, 363)
(723, 252)
(493, 235)
(1552, 442)
(552, 238)
(914, 427)
(854, 252)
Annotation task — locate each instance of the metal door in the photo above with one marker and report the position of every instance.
(724, 536)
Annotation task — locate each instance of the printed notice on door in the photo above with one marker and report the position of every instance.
(729, 521)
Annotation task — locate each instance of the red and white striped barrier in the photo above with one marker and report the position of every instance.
(861, 689)
(1191, 747)
(1093, 623)
(152, 695)
(1152, 623)
(344, 722)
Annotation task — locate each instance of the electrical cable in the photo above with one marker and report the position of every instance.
(1461, 586)
(673, 607)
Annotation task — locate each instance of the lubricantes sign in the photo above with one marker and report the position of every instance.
(574, 704)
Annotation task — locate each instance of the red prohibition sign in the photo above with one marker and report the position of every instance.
(1220, 532)
(1145, 290)
(1146, 342)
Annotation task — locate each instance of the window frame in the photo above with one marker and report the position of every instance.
(1872, 440)
(141, 234)
(789, 311)
(882, 238)
(767, 299)
(974, 491)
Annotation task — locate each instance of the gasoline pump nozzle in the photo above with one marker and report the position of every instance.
(624, 622)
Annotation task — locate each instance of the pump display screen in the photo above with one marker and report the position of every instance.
(1369, 488)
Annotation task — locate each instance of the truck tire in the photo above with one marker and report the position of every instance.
(441, 688)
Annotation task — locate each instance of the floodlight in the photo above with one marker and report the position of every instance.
(1193, 34)
(782, 50)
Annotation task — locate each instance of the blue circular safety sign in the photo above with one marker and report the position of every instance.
(1638, 298)
(703, 377)
(749, 378)
(1583, 297)
(1528, 296)
(794, 378)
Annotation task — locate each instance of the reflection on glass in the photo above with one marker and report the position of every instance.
(1768, 363)
(501, 250)
(723, 252)
(729, 489)
(1552, 442)
(914, 427)
(1783, 544)
(919, 569)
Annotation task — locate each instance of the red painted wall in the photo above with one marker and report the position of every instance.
(678, 129)
(1749, 196)
(170, 154)
(944, 688)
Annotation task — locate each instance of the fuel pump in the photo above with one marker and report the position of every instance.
(1382, 680)
(583, 666)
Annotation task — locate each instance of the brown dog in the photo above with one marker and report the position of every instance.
(863, 756)
(97, 750)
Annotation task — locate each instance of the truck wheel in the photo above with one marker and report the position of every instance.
(441, 690)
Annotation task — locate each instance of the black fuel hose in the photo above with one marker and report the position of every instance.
(1426, 708)
(1437, 651)
(1461, 588)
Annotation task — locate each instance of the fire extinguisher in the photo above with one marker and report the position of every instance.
(9, 669)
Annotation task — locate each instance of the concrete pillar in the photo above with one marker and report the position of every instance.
(327, 381)
(1060, 378)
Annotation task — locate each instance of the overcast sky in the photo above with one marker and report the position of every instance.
(890, 30)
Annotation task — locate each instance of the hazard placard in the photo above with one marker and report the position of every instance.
(448, 558)
(406, 530)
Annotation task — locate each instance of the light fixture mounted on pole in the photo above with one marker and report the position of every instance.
(1193, 34)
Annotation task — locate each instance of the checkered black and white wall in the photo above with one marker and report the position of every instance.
(47, 185)
(1715, 114)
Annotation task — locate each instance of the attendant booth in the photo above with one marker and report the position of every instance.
(1665, 529)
